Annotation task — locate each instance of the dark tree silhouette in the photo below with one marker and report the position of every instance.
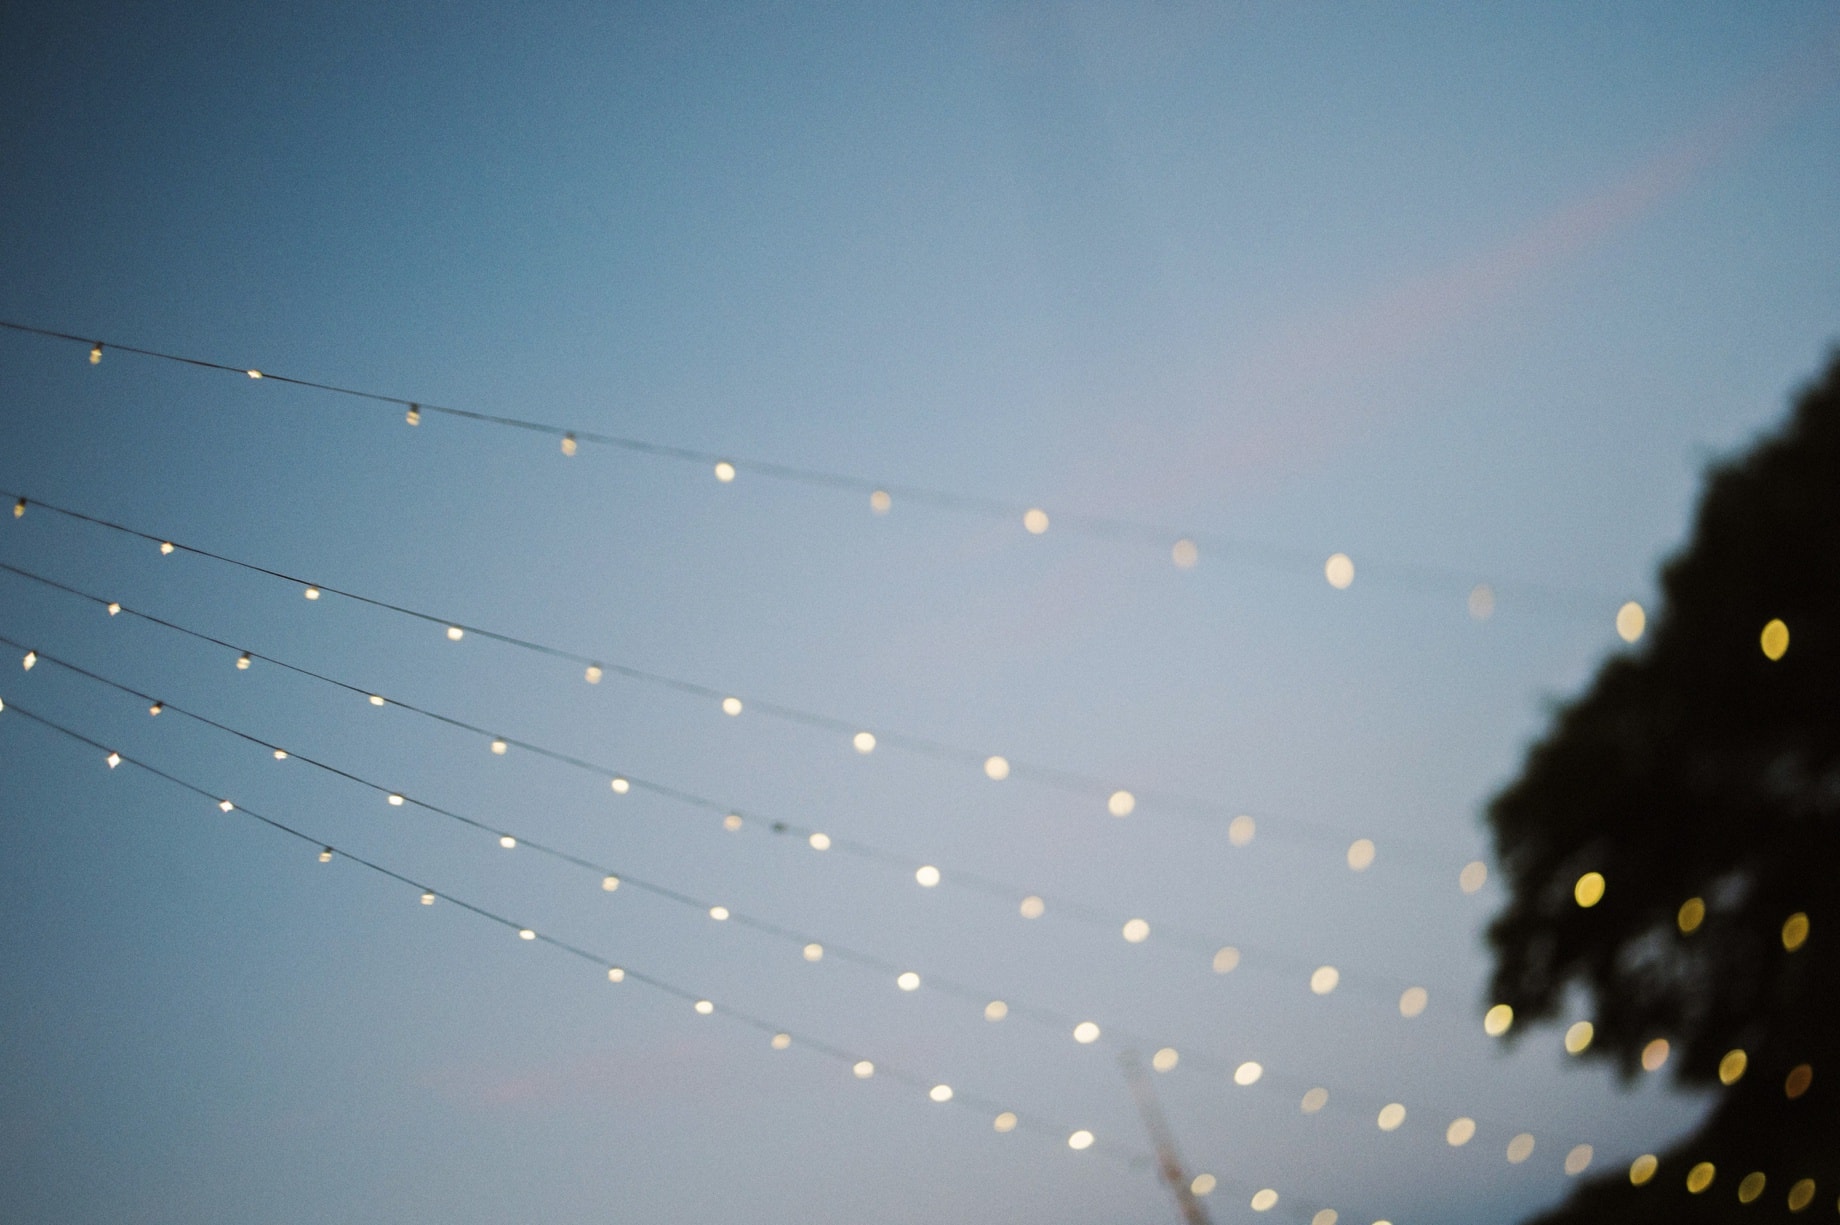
(1697, 767)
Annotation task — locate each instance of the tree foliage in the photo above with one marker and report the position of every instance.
(1698, 767)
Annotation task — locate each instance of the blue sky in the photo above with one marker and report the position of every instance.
(1470, 294)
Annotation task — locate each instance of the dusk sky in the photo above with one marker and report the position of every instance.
(1471, 295)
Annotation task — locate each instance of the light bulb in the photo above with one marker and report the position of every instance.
(820, 842)
(508, 842)
(311, 593)
(1136, 931)
(732, 822)
(879, 501)
(927, 875)
(1184, 554)
(908, 981)
(863, 1069)
(254, 374)
(376, 699)
(114, 759)
(609, 883)
(996, 1010)
(1035, 520)
(19, 509)
(704, 1008)
(619, 785)
(30, 660)
(1080, 1140)
(499, 747)
(242, 662)
(455, 633)
(781, 1041)
(814, 952)
(996, 768)
(568, 444)
(940, 1093)
(427, 899)
(414, 415)
(524, 933)
(280, 754)
(225, 805)
(1005, 1122)
(731, 706)
(615, 974)
(325, 855)
(1166, 1059)
(1339, 570)
(593, 674)
(725, 471)
(864, 742)
(1086, 1033)
(95, 354)
(114, 608)
(1032, 907)
(719, 913)
(156, 708)
(1121, 803)
(166, 547)
(395, 800)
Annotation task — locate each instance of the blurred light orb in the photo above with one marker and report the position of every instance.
(1135, 931)
(1226, 960)
(1032, 907)
(427, 899)
(1314, 1100)
(819, 842)
(1035, 520)
(1578, 1037)
(863, 742)
(499, 747)
(455, 633)
(1166, 1059)
(1732, 1066)
(719, 913)
(1247, 1073)
(1392, 1115)
(879, 501)
(1481, 601)
(1240, 830)
(1497, 1020)
(927, 875)
(1121, 803)
(1085, 1033)
(1795, 931)
(1579, 1160)
(1655, 1055)
(731, 706)
(1589, 890)
(908, 981)
(1339, 570)
(1796, 1083)
(1412, 1002)
(1801, 1194)
(395, 801)
(940, 1093)
(1460, 1132)
(1691, 914)
(1264, 1200)
(996, 1010)
(1324, 979)
(615, 974)
(311, 593)
(525, 933)
(814, 951)
(568, 444)
(1751, 1187)
(376, 699)
(1700, 1177)
(508, 842)
(619, 785)
(1630, 621)
(1361, 854)
(1642, 1169)
(1520, 1148)
(1774, 640)
(592, 674)
(1080, 1140)
(725, 471)
(1184, 554)
(781, 1041)
(732, 822)
(862, 1069)
(1326, 1217)
(1005, 1122)
(996, 768)
(1204, 1184)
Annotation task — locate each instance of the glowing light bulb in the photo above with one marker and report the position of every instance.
(610, 884)
(1392, 1115)
(1035, 520)
(225, 805)
(1520, 1148)
(310, 593)
(1474, 875)
(1166, 1059)
(508, 842)
(1481, 602)
(524, 933)
(427, 899)
(166, 547)
(242, 662)
(1080, 1140)
(30, 661)
(814, 952)
(395, 801)
(1692, 913)
(376, 699)
(325, 855)
(1121, 803)
(927, 876)
(114, 608)
(725, 471)
(1700, 1177)
(1801, 1194)
(1004, 1123)
(996, 768)
(156, 708)
(254, 374)
(1241, 830)
(1204, 1184)
(619, 785)
(731, 706)
(1328, 1216)
(1460, 1132)
(414, 415)
(281, 755)
(781, 1041)
(1184, 554)
(820, 842)
(863, 1069)
(719, 913)
(1314, 1100)
(879, 501)
(1412, 1002)
(1248, 1073)
(940, 1093)
(1324, 980)
(1086, 1033)
(1264, 1200)
(1751, 1187)
(1226, 960)
(908, 981)
(95, 354)
(1578, 1038)
(1655, 1055)
(704, 1008)
(863, 742)
(1642, 1169)
(593, 674)
(1795, 931)
(1732, 1067)
(1630, 621)
(732, 822)
(455, 633)
(1339, 570)
(996, 1010)
(1361, 854)
(1796, 1083)
(499, 746)
(1032, 907)
(19, 509)
(568, 444)
(1774, 640)
(615, 974)
(1495, 1021)
(1589, 890)
(114, 759)
(1135, 931)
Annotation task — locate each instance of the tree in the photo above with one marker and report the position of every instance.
(1700, 777)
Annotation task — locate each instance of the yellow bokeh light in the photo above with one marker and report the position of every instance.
(940, 1093)
(1135, 931)
(814, 951)
(1589, 890)
(1796, 1083)
(996, 1010)
(1474, 875)
(568, 444)
(731, 706)
(1732, 1066)
(395, 801)
(862, 1069)
(1324, 979)
(114, 608)
(619, 785)
(592, 674)
(499, 747)
(907, 980)
(1642, 1169)
(1361, 854)
(1655, 1055)
(1579, 1160)
(242, 661)
(1630, 621)
(1080, 1140)
(863, 742)
(1751, 1187)
(1482, 601)
(166, 547)
(1339, 570)
(996, 768)
(377, 699)
(1240, 830)
(1035, 520)
(508, 842)
(732, 822)
(1578, 1037)
(1085, 1033)
(1314, 1100)
(725, 471)
(1226, 960)
(427, 899)
(927, 875)
(1005, 1122)
(819, 842)
(1120, 803)
(610, 883)
(1691, 914)
(1204, 1184)
(1700, 1177)
(1774, 640)
(1184, 554)
(1412, 1002)
(254, 374)
(311, 593)
(524, 933)
(455, 633)
(781, 1041)
(879, 501)
(1460, 1132)
(1032, 907)
(1520, 1148)
(1327, 1216)
(95, 359)
(1264, 1200)
(1248, 1073)
(1392, 1115)
(1795, 931)
(1497, 1020)
(414, 415)
(704, 1008)
(719, 913)
(1801, 1195)
(1166, 1059)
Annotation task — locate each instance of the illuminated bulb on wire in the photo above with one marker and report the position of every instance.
(908, 981)
(414, 415)
(508, 842)
(1004, 1123)
(732, 822)
(1630, 621)
(725, 471)
(864, 742)
(524, 933)
(820, 842)
(1135, 931)
(1412, 1002)
(1080, 1140)
(610, 884)
(1460, 1132)
(814, 952)
(619, 785)
(568, 444)
(376, 699)
(166, 547)
(1032, 907)
(1204, 1184)
(1314, 1100)
(1520, 1148)
(1751, 1187)
(1264, 1200)
(615, 974)
(1495, 1021)
(1391, 1116)
(1166, 1059)
(1248, 1073)
(1226, 960)
(254, 374)
(593, 674)
(280, 754)
(30, 660)
(862, 1069)
(1086, 1033)
(1121, 803)
(1035, 520)
(1325, 980)
(940, 1093)
(95, 354)
(1795, 932)
(1732, 1066)
(1642, 1169)
(395, 801)
(310, 593)
(704, 1008)
(499, 747)
(927, 876)
(455, 633)
(731, 706)
(242, 662)
(19, 509)
(996, 768)
(1579, 1160)
(996, 1010)
(156, 708)
(1184, 554)
(1655, 1055)
(1700, 1177)
(1241, 830)
(325, 854)
(114, 608)
(879, 501)
(719, 913)
(1361, 854)
(1796, 1083)
(1578, 1038)
(781, 1041)
(114, 759)
(1774, 640)
(1339, 570)
(1801, 1194)
(427, 899)
(1589, 890)
(1473, 876)
(225, 805)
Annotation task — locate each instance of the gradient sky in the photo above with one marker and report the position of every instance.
(1471, 293)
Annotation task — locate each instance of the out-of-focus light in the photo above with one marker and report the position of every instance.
(610, 884)
(455, 633)
(907, 980)
(1204, 1184)
(1166, 1059)
(863, 742)
(499, 746)
(524, 933)
(414, 415)
(592, 674)
(1135, 931)
(427, 899)
(879, 501)
(1264, 1199)
(254, 374)
(1080, 1140)
(508, 842)
(1460, 1132)
(1324, 979)
(325, 854)
(114, 608)
(166, 548)
(927, 875)
(814, 951)
(619, 784)
(1692, 913)
(376, 699)
(1121, 803)
(1774, 640)
(156, 708)
(1361, 854)
(395, 801)
(1248, 1073)
(863, 1069)
(1589, 890)
(1184, 554)
(1339, 570)
(1412, 1002)
(1642, 1169)
(95, 354)
(1240, 830)
(996, 1010)
(1801, 1194)
(1226, 960)
(1700, 1177)
(704, 1007)
(1004, 1123)
(568, 444)
(1032, 907)
(1655, 1055)
(1520, 1148)
(1392, 1115)
(1732, 1066)
(1314, 1100)
(996, 768)
(114, 759)
(719, 913)
(615, 974)
(225, 805)
(1328, 1216)
(1751, 1187)
(1085, 1033)
(725, 471)
(731, 706)
(940, 1093)
(310, 593)
(1578, 1037)
(242, 662)
(819, 842)
(1035, 520)
(1630, 621)
(732, 822)
(1482, 601)
(1474, 875)
(1496, 1021)
(1795, 931)
(781, 1041)
(30, 661)
(1796, 1083)
(1579, 1159)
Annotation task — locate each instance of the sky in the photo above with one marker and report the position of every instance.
(1470, 294)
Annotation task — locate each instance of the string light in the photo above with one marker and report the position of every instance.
(907, 980)
(781, 1041)
(414, 415)
(719, 913)
(568, 444)
(524, 933)
(114, 759)
(1264, 1200)
(19, 509)
(225, 805)
(1004, 1123)
(1085, 1033)
(1392, 1116)
(1801, 1195)
(616, 974)
(114, 609)
(725, 471)
(1166, 1059)
(940, 1093)
(704, 1008)
(95, 354)
(864, 742)
(1241, 830)
(325, 855)
(592, 674)
(1496, 1021)
(1691, 914)
(1655, 1055)
(927, 876)
(1700, 1177)
(731, 706)
(1774, 640)
(1314, 1100)
(1520, 1148)
(1226, 960)
(1751, 1187)
(1412, 1002)
(1135, 931)
(1339, 570)
(1630, 621)
(814, 952)
(879, 501)
(1121, 803)
(1460, 1132)
(311, 593)
(1481, 602)
(395, 801)
(1589, 890)
(376, 699)
(1184, 554)
(1732, 1067)
(1248, 1073)
(242, 662)
(1080, 1140)
(455, 633)
(1032, 907)
(1203, 1184)
(29, 661)
(1642, 1169)
(1035, 520)
(1361, 854)
(499, 747)
(166, 548)
(1800, 1077)
(427, 899)
(156, 708)
(732, 822)
(996, 1010)
(820, 842)
(610, 883)
(1578, 1037)
(996, 768)
(1578, 1160)
(863, 1069)
(508, 842)
(1794, 932)
(620, 785)
(254, 374)
(1324, 979)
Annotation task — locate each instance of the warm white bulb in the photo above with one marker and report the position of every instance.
(166, 547)
(524, 933)
(1136, 931)
(508, 842)
(242, 662)
(731, 706)
(281, 755)
(908, 981)
(609, 883)
(620, 785)
(725, 471)
(225, 805)
(1086, 1033)
(719, 913)
(499, 747)
(879, 501)
(1035, 520)
(593, 674)
(1121, 803)
(863, 1069)
(455, 633)
(395, 801)
(820, 842)
(311, 593)
(781, 1041)
(114, 608)
(325, 855)
(814, 952)
(996, 768)
(704, 1007)
(568, 444)
(427, 899)
(615, 974)
(940, 1093)
(927, 875)
(114, 759)
(864, 742)
(1080, 1140)
(732, 822)
(376, 699)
